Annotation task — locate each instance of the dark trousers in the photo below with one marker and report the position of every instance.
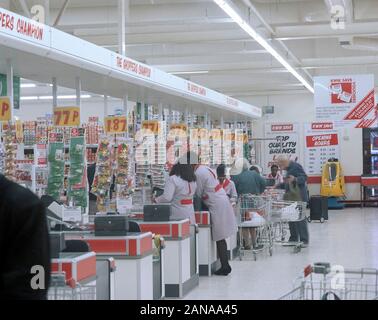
(299, 231)
(222, 253)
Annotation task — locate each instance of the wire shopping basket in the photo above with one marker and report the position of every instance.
(62, 289)
(323, 282)
(254, 217)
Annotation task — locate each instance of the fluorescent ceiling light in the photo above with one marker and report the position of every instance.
(190, 72)
(29, 98)
(28, 85)
(84, 96)
(247, 28)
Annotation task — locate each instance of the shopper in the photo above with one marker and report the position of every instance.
(249, 182)
(295, 176)
(24, 244)
(223, 224)
(179, 190)
(276, 175)
(255, 168)
(227, 184)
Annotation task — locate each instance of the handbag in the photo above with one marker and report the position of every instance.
(293, 192)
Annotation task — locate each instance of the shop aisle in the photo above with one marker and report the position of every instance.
(349, 239)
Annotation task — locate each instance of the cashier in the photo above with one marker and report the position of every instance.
(179, 190)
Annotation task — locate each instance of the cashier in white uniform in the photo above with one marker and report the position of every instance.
(179, 190)
(227, 184)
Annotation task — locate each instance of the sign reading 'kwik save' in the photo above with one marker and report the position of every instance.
(348, 98)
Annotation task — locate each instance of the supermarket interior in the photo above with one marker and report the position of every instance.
(188, 149)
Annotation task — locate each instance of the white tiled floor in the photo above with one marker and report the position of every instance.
(349, 238)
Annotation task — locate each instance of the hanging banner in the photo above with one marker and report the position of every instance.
(348, 98)
(283, 140)
(67, 116)
(16, 89)
(5, 109)
(322, 143)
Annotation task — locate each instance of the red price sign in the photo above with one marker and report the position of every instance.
(5, 109)
(116, 124)
(67, 116)
(152, 125)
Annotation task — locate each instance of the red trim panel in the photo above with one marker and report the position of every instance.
(175, 230)
(132, 247)
(145, 245)
(86, 268)
(107, 245)
(162, 229)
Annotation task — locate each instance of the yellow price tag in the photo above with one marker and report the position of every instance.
(153, 125)
(115, 124)
(5, 109)
(67, 116)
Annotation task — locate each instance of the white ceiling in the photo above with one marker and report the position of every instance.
(183, 35)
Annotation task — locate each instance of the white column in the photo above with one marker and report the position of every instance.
(126, 110)
(222, 121)
(206, 117)
(160, 110)
(10, 84)
(54, 92)
(209, 121)
(142, 113)
(169, 115)
(78, 95)
(123, 12)
(106, 110)
(187, 116)
(47, 12)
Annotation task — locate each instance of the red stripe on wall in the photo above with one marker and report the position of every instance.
(348, 179)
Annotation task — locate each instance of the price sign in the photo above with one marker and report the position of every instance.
(179, 126)
(19, 131)
(5, 109)
(216, 134)
(67, 116)
(153, 125)
(116, 124)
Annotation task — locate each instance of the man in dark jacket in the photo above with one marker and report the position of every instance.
(295, 173)
(24, 244)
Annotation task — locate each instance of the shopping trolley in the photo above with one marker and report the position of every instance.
(281, 213)
(62, 289)
(254, 213)
(323, 282)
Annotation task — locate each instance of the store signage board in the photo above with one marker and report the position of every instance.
(5, 109)
(321, 144)
(24, 28)
(116, 124)
(77, 52)
(178, 126)
(67, 116)
(283, 139)
(348, 98)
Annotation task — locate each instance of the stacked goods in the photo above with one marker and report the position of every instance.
(56, 170)
(103, 176)
(91, 155)
(158, 175)
(77, 186)
(29, 133)
(2, 158)
(92, 131)
(41, 132)
(10, 149)
(124, 175)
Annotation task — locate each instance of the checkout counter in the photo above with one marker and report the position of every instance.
(207, 254)
(181, 274)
